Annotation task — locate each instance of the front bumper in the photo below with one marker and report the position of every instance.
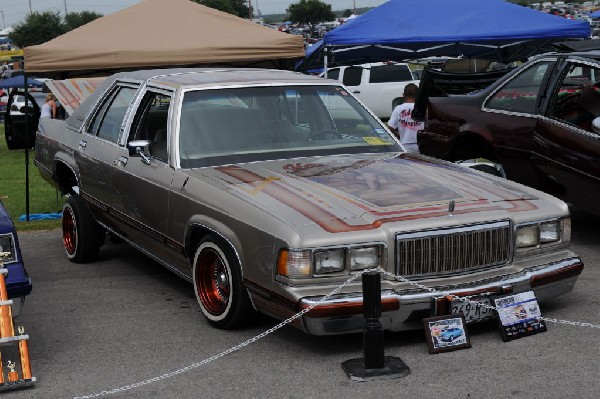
(404, 310)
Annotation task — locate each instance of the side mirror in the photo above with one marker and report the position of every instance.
(139, 148)
(596, 125)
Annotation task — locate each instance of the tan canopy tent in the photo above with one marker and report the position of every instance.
(163, 33)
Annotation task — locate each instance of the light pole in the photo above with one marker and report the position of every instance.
(3, 24)
(65, 8)
(30, 10)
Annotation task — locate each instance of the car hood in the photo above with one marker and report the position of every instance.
(364, 189)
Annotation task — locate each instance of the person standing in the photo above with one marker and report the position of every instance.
(401, 121)
(49, 107)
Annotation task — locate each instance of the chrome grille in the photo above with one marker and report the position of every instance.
(453, 250)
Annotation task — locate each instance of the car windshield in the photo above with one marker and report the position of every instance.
(261, 123)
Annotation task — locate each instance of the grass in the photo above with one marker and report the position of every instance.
(43, 198)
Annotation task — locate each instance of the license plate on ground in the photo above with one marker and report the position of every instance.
(474, 311)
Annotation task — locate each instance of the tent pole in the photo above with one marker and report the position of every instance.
(325, 60)
(26, 147)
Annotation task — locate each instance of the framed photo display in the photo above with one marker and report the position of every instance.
(446, 333)
(519, 315)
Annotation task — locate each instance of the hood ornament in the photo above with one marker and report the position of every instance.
(451, 205)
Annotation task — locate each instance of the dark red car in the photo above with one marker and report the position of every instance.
(540, 122)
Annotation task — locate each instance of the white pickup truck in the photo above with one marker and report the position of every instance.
(378, 85)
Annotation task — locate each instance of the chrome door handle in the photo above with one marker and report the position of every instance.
(121, 161)
(83, 143)
(356, 91)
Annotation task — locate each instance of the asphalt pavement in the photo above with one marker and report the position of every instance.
(124, 319)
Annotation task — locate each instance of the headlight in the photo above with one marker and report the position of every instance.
(528, 236)
(543, 233)
(363, 258)
(296, 263)
(7, 245)
(329, 261)
(549, 232)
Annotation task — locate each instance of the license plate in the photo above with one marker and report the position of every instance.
(473, 311)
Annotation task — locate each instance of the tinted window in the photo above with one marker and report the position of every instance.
(577, 99)
(333, 74)
(390, 73)
(107, 122)
(352, 76)
(521, 93)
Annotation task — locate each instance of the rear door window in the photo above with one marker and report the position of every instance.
(352, 76)
(390, 73)
(107, 122)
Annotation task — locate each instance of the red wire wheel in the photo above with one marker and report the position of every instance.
(212, 277)
(69, 229)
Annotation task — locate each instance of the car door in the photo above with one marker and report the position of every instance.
(510, 115)
(97, 148)
(143, 182)
(566, 149)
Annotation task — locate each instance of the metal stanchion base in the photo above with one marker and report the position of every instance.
(393, 367)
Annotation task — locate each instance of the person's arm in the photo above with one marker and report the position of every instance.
(53, 109)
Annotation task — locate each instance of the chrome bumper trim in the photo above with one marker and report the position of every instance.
(414, 305)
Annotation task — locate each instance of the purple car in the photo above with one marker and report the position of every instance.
(18, 282)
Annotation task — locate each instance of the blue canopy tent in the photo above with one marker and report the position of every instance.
(411, 29)
(595, 14)
(19, 81)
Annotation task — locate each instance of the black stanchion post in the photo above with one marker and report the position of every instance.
(374, 365)
(373, 345)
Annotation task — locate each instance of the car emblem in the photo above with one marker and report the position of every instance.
(451, 205)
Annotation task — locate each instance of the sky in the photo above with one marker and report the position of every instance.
(14, 11)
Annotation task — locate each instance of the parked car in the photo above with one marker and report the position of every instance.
(18, 282)
(539, 122)
(380, 86)
(268, 189)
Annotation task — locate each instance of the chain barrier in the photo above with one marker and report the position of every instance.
(227, 351)
(466, 299)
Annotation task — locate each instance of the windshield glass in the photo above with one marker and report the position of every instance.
(260, 123)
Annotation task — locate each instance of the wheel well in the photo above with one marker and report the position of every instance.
(65, 177)
(470, 146)
(196, 234)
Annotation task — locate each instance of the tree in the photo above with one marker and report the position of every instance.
(234, 7)
(37, 28)
(310, 12)
(347, 13)
(74, 20)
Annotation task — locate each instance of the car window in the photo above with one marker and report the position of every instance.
(352, 76)
(150, 123)
(108, 120)
(261, 123)
(390, 73)
(520, 94)
(333, 74)
(576, 100)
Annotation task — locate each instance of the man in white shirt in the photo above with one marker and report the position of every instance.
(401, 121)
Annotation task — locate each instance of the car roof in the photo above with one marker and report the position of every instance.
(206, 77)
(197, 78)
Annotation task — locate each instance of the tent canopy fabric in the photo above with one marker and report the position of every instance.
(19, 81)
(161, 33)
(411, 29)
(595, 14)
